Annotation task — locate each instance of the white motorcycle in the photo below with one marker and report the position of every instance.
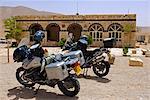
(44, 70)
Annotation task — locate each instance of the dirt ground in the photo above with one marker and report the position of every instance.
(122, 83)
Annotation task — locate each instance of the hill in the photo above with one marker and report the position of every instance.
(6, 12)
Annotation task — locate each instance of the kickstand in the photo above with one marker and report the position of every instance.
(37, 90)
(85, 71)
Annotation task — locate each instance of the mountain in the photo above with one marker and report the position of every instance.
(143, 29)
(6, 12)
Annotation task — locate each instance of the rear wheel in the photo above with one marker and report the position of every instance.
(101, 69)
(69, 86)
(21, 79)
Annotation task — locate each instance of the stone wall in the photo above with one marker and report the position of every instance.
(85, 21)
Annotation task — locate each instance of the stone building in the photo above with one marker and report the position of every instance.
(97, 26)
(143, 34)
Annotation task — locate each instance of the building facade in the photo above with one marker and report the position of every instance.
(98, 27)
(143, 34)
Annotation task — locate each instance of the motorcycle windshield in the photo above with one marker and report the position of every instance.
(24, 41)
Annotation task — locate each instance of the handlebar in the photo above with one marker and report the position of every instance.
(69, 47)
(66, 59)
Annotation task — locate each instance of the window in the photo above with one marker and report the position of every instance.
(96, 31)
(115, 31)
(109, 35)
(141, 38)
(97, 34)
(113, 34)
(119, 35)
(116, 34)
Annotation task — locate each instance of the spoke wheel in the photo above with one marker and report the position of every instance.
(69, 86)
(21, 79)
(101, 69)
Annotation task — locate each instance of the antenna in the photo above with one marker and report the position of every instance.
(77, 8)
(128, 11)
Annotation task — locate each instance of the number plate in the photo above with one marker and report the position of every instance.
(77, 69)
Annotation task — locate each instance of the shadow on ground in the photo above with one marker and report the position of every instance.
(19, 92)
(98, 79)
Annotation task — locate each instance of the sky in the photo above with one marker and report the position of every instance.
(70, 7)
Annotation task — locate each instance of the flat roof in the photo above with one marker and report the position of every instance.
(78, 17)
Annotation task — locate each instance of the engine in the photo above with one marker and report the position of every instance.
(35, 75)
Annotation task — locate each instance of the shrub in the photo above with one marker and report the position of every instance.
(61, 42)
(90, 40)
(125, 49)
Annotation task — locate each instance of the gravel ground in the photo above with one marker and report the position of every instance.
(122, 83)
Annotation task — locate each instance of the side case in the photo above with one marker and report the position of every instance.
(57, 70)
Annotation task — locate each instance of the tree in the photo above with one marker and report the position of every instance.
(13, 29)
(127, 30)
(90, 40)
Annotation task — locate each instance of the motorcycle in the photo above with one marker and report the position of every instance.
(97, 59)
(37, 69)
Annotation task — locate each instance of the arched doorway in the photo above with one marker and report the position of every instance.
(76, 29)
(96, 32)
(53, 30)
(34, 28)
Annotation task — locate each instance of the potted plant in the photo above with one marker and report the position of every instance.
(125, 50)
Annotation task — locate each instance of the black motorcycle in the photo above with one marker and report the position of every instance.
(97, 59)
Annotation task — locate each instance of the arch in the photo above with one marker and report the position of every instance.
(99, 27)
(96, 31)
(115, 30)
(76, 29)
(117, 25)
(34, 28)
(53, 30)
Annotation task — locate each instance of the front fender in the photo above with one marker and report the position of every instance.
(106, 57)
(20, 69)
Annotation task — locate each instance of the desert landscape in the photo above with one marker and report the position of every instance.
(125, 26)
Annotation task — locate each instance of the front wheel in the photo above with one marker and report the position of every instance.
(21, 79)
(101, 69)
(70, 86)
